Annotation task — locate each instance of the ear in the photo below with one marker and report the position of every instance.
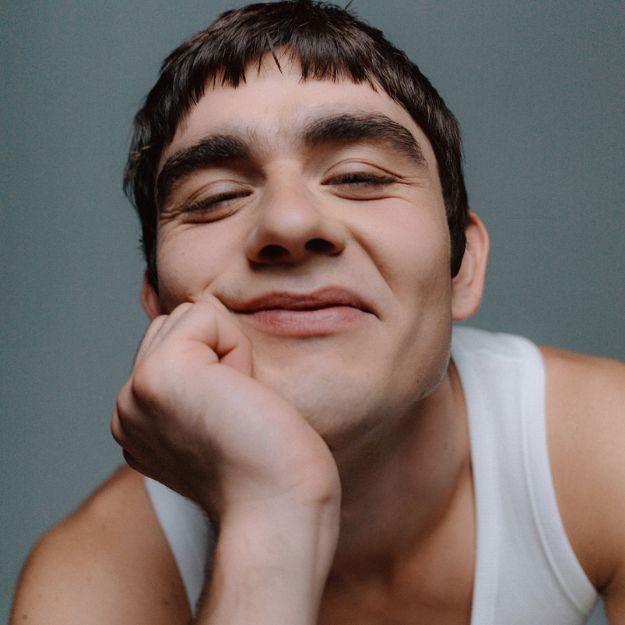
(149, 298)
(468, 284)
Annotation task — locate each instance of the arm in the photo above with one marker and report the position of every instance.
(192, 416)
(586, 408)
(107, 563)
(244, 454)
(110, 563)
(271, 570)
(613, 468)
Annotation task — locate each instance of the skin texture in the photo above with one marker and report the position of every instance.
(241, 411)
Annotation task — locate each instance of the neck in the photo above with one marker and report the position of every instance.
(400, 483)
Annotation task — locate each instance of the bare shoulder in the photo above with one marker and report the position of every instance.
(586, 430)
(108, 562)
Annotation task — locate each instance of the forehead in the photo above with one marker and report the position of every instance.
(273, 106)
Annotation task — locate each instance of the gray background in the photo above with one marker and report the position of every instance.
(538, 88)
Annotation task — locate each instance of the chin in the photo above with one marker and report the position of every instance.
(347, 394)
(328, 402)
(342, 409)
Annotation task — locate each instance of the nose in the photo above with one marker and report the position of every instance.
(292, 226)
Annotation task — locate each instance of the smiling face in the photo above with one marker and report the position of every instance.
(313, 211)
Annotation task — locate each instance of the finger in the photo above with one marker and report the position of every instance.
(234, 351)
(159, 329)
(211, 299)
(211, 323)
(148, 337)
(122, 407)
(117, 431)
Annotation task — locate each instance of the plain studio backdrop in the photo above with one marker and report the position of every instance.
(538, 88)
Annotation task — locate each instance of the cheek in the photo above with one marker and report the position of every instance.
(424, 285)
(186, 264)
(417, 272)
(412, 252)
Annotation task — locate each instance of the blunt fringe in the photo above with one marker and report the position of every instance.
(329, 43)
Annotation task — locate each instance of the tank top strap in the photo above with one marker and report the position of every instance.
(526, 570)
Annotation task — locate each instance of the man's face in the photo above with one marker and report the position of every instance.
(313, 211)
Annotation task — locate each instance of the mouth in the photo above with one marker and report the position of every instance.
(318, 313)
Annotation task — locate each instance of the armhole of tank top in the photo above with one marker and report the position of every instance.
(537, 466)
(188, 535)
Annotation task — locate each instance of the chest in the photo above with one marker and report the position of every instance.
(435, 587)
(451, 606)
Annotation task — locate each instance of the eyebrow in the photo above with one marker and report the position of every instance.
(376, 128)
(211, 150)
(332, 129)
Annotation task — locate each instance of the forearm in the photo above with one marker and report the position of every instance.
(270, 568)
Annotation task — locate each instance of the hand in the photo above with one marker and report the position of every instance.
(192, 417)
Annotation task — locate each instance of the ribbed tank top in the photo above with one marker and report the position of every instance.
(526, 570)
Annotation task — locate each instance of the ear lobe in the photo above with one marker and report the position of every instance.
(149, 298)
(468, 284)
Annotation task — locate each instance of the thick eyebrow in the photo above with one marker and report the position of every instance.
(375, 128)
(211, 150)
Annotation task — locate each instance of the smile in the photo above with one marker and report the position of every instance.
(319, 313)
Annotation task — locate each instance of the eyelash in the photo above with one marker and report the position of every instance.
(361, 179)
(357, 179)
(211, 202)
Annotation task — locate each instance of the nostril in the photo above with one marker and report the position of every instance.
(319, 245)
(273, 252)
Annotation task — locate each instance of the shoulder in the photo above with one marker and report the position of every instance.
(107, 562)
(586, 434)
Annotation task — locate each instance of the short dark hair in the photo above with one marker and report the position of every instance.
(328, 42)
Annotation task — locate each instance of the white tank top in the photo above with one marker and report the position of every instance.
(526, 570)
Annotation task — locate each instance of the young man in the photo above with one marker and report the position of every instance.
(309, 243)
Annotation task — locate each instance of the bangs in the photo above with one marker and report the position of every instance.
(323, 41)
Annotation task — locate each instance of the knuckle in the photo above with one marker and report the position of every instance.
(131, 461)
(123, 403)
(146, 380)
(181, 308)
(117, 431)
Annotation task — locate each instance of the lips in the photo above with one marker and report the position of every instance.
(317, 313)
(322, 298)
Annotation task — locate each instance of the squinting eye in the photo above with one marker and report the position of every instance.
(213, 207)
(361, 179)
(211, 201)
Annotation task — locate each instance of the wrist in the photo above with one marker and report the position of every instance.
(271, 564)
(282, 530)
